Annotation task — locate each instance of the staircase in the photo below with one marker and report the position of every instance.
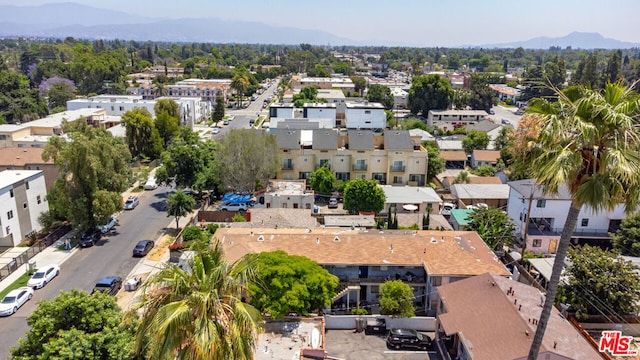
(343, 289)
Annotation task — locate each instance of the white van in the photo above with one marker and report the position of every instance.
(151, 184)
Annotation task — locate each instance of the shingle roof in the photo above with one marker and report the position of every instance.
(486, 155)
(14, 156)
(360, 139)
(496, 324)
(397, 140)
(454, 253)
(288, 139)
(453, 155)
(325, 139)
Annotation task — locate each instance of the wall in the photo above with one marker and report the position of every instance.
(359, 119)
(346, 322)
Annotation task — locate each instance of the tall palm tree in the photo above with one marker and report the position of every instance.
(240, 82)
(199, 313)
(588, 142)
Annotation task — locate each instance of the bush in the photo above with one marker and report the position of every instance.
(359, 311)
(238, 218)
(193, 233)
(211, 228)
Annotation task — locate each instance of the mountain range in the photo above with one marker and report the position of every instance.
(61, 20)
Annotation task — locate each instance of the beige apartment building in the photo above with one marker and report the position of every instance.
(392, 157)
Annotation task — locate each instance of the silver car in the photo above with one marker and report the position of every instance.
(131, 203)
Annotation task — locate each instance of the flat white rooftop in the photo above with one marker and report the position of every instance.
(10, 177)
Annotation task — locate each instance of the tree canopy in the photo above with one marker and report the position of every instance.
(435, 164)
(626, 239)
(381, 94)
(218, 111)
(323, 180)
(493, 225)
(76, 325)
(430, 92)
(291, 283)
(475, 140)
(248, 155)
(179, 204)
(94, 171)
(362, 195)
(142, 136)
(396, 299)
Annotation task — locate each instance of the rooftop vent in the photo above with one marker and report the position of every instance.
(260, 238)
(433, 240)
(336, 239)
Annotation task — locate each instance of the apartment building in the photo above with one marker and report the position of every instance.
(22, 199)
(365, 115)
(29, 158)
(392, 157)
(449, 118)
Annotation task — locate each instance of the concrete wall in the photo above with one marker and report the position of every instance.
(346, 322)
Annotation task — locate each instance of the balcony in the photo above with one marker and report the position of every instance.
(545, 229)
(394, 168)
(287, 166)
(359, 167)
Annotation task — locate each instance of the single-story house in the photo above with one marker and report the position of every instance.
(454, 159)
(494, 195)
(410, 198)
(447, 181)
(484, 157)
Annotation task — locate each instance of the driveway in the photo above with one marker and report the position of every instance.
(347, 344)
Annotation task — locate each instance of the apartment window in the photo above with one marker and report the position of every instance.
(284, 205)
(361, 176)
(537, 242)
(10, 214)
(397, 166)
(121, 108)
(397, 179)
(541, 203)
(8, 229)
(38, 199)
(26, 185)
(585, 222)
(304, 175)
(342, 176)
(367, 111)
(375, 289)
(24, 205)
(324, 151)
(112, 108)
(324, 161)
(287, 164)
(296, 206)
(11, 192)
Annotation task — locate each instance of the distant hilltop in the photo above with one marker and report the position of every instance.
(61, 20)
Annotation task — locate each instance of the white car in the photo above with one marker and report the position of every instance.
(131, 203)
(16, 298)
(233, 207)
(108, 226)
(215, 130)
(43, 276)
(151, 184)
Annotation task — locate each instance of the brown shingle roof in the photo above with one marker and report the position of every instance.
(14, 156)
(477, 179)
(496, 324)
(486, 155)
(453, 155)
(455, 253)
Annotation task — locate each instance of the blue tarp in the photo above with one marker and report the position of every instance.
(236, 198)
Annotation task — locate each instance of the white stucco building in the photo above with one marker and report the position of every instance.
(22, 200)
(365, 115)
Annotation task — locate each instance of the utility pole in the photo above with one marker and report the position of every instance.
(526, 225)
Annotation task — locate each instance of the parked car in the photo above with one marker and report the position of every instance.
(333, 203)
(230, 118)
(408, 339)
(110, 285)
(143, 247)
(376, 326)
(233, 207)
(506, 122)
(215, 130)
(42, 277)
(492, 112)
(90, 237)
(14, 300)
(108, 226)
(151, 184)
(446, 208)
(131, 203)
(225, 122)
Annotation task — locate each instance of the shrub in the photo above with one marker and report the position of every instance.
(193, 233)
(238, 218)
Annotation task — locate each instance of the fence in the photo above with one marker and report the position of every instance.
(33, 250)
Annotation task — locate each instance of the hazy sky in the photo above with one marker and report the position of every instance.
(407, 22)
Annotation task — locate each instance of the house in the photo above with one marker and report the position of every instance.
(350, 221)
(22, 199)
(320, 111)
(499, 322)
(494, 195)
(484, 157)
(284, 111)
(504, 92)
(548, 215)
(422, 198)
(424, 135)
(391, 157)
(29, 158)
(287, 194)
(364, 259)
(334, 96)
(454, 159)
(447, 181)
(278, 341)
(400, 97)
(449, 118)
(365, 115)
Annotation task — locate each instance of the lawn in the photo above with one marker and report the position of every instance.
(22, 281)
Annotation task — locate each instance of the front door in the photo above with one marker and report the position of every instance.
(553, 243)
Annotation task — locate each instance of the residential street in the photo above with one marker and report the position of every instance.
(111, 256)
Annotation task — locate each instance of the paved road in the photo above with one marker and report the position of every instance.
(505, 113)
(111, 256)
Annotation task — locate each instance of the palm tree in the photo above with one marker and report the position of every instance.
(240, 82)
(179, 204)
(588, 142)
(199, 313)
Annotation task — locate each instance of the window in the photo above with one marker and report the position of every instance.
(38, 199)
(375, 289)
(537, 242)
(324, 161)
(397, 166)
(367, 111)
(296, 206)
(11, 192)
(541, 203)
(585, 222)
(10, 214)
(397, 179)
(121, 108)
(287, 164)
(361, 176)
(112, 108)
(26, 184)
(24, 205)
(342, 176)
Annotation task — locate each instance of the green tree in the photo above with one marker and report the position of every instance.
(626, 239)
(503, 139)
(359, 83)
(435, 164)
(240, 82)
(168, 106)
(291, 283)
(179, 204)
(76, 325)
(59, 92)
(188, 162)
(599, 282)
(248, 155)
(493, 225)
(587, 142)
(396, 299)
(363, 195)
(199, 313)
(167, 127)
(218, 111)
(18, 103)
(323, 180)
(94, 171)
(475, 140)
(381, 94)
(430, 92)
(462, 178)
(141, 134)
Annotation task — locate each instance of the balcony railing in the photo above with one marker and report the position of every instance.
(393, 168)
(543, 230)
(287, 166)
(359, 167)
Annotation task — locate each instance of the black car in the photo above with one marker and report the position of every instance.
(408, 339)
(377, 326)
(90, 238)
(110, 285)
(143, 247)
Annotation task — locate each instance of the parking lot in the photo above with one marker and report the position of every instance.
(349, 345)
